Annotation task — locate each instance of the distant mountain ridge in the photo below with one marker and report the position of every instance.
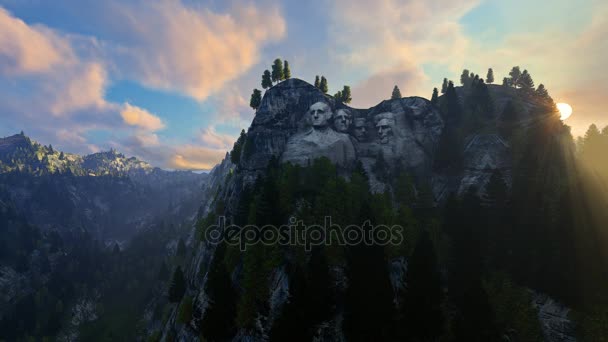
(20, 153)
(107, 193)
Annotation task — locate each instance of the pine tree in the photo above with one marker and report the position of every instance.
(256, 99)
(508, 119)
(266, 79)
(61, 156)
(116, 249)
(450, 144)
(286, 71)
(338, 96)
(422, 304)
(317, 82)
(181, 248)
(515, 74)
(435, 96)
(592, 141)
(444, 86)
(506, 82)
(178, 286)
(346, 95)
(490, 76)
(474, 321)
(465, 77)
(368, 303)
(310, 301)
(475, 79)
(454, 109)
(478, 102)
(277, 70)
(526, 83)
(396, 93)
(218, 324)
(323, 85)
(542, 92)
(237, 149)
(292, 323)
(185, 310)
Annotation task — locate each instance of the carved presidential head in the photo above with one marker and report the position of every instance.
(360, 130)
(342, 120)
(384, 124)
(320, 114)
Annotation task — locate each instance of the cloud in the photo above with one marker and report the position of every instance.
(135, 116)
(192, 50)
(232, 107)
(216, 140)
(146, 140)
(391, 40)
(191, 157)
(58, 80)
(81, 86)
(29, 49)
(380, 85)
(45, 73)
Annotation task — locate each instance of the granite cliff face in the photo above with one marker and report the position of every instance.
(297, 123)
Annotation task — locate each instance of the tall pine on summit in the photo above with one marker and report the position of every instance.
(277, 70)
(396, 93)
(286, 71)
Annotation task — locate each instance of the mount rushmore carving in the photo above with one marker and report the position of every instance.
(346, 135)
(298, 123)
(322, 138)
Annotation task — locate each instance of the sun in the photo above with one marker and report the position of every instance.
(565, 110)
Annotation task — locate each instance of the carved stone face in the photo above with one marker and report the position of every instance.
(384, 125)
(384, 130)
(342, 120)
(360, 129)
(320, 114)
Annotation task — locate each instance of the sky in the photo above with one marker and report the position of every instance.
(169, 81)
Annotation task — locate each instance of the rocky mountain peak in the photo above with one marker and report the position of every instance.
(11, 143)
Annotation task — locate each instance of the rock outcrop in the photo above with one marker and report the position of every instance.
(297, 123)
(554, 320)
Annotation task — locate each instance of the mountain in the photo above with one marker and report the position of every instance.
(106, 193)
(458, 171)
(19, 153)
(78, 233)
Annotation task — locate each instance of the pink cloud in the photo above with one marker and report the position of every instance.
(190, 157)
(216, 140)
(193, 50)
(78, 87)
(29, 49)
(391, 40)
(136, 116)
